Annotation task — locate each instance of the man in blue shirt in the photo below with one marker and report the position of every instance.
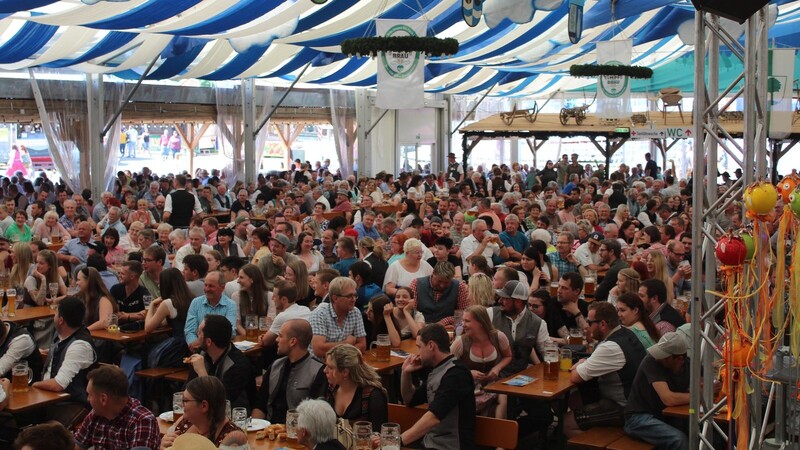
(366, 227)
(515, 241)
(346, 249)
(76, 250)
(214, 302)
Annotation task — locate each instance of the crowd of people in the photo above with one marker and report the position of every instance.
(483, 268)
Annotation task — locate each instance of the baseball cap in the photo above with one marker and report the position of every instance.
(513, 289)
(670, 344)
(342, 192)
(241, 219)
(282, 239)
(596, 237)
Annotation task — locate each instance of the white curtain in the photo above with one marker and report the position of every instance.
(343, 119)
(65, 124)
(230, 126)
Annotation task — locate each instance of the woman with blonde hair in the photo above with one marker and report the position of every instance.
(480, 289)
(407, 269)
(656, 264)
(252, 297)
(486, 352)
(355, 391)
(627, 281)
(297, 273)
(22, 258)
(622, 214)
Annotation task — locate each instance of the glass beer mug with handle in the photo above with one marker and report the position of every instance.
(21, 377)
(362, 431)
(390, 436)
(383, 348)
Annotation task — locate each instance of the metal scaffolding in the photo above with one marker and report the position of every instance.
(710, 101)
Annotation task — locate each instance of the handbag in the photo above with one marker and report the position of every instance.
(344, 434)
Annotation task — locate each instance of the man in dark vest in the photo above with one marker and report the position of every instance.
(297, 369)
(17, 344)
(447, 387)
(612, 366)
(68, 363)
(440, 295)
(527, 334)
(454, 169)
(181, 204)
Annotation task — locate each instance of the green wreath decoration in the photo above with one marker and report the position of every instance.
(597, 70)
(371, 46)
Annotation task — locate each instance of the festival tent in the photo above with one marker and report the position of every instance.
(519, 47)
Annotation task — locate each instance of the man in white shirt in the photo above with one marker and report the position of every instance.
(286, 294)
(588, 254)
(197, 246)
(481, 242)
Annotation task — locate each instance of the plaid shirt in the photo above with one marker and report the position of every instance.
(135, 426)
(325, 323)
(562, 265)
(462, 299)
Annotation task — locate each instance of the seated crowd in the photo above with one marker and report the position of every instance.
(482, 270)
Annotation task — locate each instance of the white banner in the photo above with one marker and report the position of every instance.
(614, 92)
(779, 92)
(401, 75)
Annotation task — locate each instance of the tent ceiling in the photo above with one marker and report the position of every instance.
(274, 39)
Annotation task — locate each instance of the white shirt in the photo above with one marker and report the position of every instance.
(294, 311)
(188, 250)
(398, 275)
(468, 246)
(79, 356)
(232, 287)
(19, 348)
(585, 256)
(606, 358)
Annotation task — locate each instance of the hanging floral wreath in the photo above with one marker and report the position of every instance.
(371, 46)
(597, 70)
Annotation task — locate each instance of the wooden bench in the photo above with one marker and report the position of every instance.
(181, 376)
(629, 443)
(489, 432)
(158, 372)
(596, 438)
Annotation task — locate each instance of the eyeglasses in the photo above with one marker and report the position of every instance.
(592, 322)
(353, 295)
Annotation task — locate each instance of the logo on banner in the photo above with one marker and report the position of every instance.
(614, 86)
(400, 64)
(472, 10)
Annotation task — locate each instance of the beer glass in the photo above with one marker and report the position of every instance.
(251, 327)
(575, 336)
(11, 294)
(264, 323)
(21, 377)
(363, 435)
(147, 300)
(52, 289)
(589, 283)
(239, 418)
(177, 406)
(383, 348)
(566, 359)
(390, 436)
(291, 428)
(554, 289)
(551, 361)
(113, 323)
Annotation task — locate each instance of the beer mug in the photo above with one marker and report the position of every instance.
(575, 336)
(362, 431)
(383, 348)
(147, 300)
(113, 323)
(292, 417)
(177, 406)
(52, 289)
(251, 327)
(264, 323)
(554, 289)
(550, 361)
(21, 377)
(390, 436)
(239, 418)
(589, 283)
(566, 359)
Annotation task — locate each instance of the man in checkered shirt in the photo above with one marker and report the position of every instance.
(116, 420)
(338, 322)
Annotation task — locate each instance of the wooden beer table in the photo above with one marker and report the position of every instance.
(257, 444)
(34, 398)
(123, 337)
(407, 345)
(31, 313)
(539, 389)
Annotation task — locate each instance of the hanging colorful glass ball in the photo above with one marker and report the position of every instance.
(738, 354)
(731, 250)
(794, 203)
(786, 186)
(749, 243)
(760, 198)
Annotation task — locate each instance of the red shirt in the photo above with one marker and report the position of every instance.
(135, 426)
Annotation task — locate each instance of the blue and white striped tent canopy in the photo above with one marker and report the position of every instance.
(521, 46)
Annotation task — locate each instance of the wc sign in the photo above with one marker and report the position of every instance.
(678, 133)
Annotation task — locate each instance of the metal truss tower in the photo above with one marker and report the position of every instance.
(710, 137)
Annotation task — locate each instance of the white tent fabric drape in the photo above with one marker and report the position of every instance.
(264, 96)
(343, 119)
(229, 128)
(65, 124)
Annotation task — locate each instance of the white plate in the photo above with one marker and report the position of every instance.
(167, 415)
(257, 424)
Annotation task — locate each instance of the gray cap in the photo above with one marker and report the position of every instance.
(671, 344)
(343, 192)
(513, 289)
(282, 239)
